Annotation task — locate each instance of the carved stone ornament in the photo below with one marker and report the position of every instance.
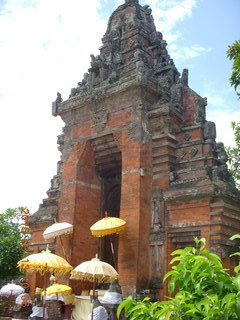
(140, 129)
(165, 124)
(221, 153)
(200, 109)
(181, 154)
(56, 103)
(157, 215)
(99, 119)
(193, 152)
(187, 136)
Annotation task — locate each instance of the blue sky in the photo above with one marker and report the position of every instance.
(45, 47)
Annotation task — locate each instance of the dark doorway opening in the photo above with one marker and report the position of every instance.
(111, 206)
(108, 164)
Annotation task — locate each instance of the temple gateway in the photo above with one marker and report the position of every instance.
(137, 145)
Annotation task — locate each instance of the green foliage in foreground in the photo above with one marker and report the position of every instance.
(233, 54)
(234, 154)
(205, 291)
(10, 242)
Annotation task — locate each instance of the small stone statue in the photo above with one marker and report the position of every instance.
(56, 103)
(184, 78)
(59, 98)
(221, 152)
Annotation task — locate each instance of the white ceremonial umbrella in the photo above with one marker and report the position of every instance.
(11, 289)
(94, 271)
(58, 229)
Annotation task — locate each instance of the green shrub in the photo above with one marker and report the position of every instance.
(205, 291)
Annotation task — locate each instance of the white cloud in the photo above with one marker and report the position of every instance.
(44, 48)
(168, 13)
(185, 53)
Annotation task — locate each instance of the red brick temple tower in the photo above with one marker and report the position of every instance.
(136, 143)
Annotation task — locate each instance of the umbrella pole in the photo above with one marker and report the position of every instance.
(10, 306)
(44, 295)
(113, 252)
(64, 252)
(58, 307)
(94, 286)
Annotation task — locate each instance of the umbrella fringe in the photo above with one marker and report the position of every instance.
(43, 269)
(89, 277)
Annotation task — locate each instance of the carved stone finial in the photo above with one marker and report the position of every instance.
(59, 98)
(56, 103)
(221, 153)
(184, 78)
(132, 1)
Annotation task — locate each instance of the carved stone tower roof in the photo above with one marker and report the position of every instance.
(132, 51)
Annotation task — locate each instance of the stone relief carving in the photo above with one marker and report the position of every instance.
(157, 197)
(165, 124)
(177, 95)
(139, 61)
(99, 117)
(140, 129)
(156, 238)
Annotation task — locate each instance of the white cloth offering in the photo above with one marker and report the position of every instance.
(99, 313)
(112, 298)
(38, 312)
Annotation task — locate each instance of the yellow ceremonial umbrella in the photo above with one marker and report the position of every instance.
(106, 227)
(58, 288)
(43, 263)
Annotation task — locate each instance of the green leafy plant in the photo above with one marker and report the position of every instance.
(10, 242)
(137, 309)
(233, 54)
(237, 268)
(234, 154)
(204, 290)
